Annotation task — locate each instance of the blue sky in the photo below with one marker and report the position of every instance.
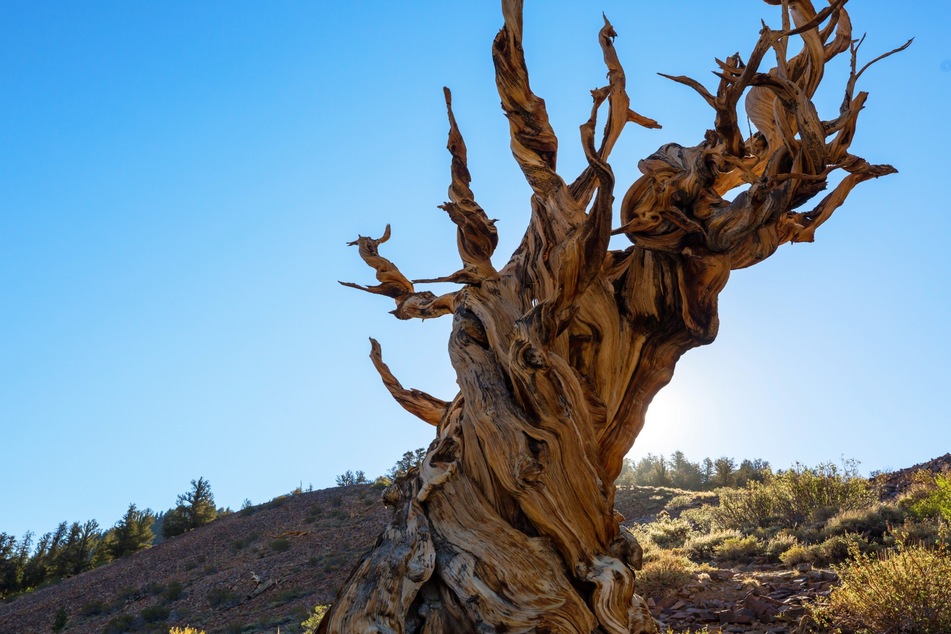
(178, 182)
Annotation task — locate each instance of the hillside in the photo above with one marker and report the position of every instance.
(301, 547)
(266, 567)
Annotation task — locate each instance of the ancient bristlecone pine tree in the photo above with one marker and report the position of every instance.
(509, 523)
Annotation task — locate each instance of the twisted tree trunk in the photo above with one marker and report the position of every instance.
(509, 524)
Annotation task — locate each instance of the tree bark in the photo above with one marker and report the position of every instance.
(509, 524)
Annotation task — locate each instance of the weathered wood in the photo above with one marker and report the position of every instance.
(509, 523)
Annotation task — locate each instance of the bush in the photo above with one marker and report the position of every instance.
(173, 590)
(93, 608)
(59, 620)
(154, 613)
(745, 509)
(701, 547)
(280, 545)
(120, 624)
(663, 575)
(814, 495)
(310, 625)
(905, 590)
(797, 497)
(185, 630)
(738, 549)
(779, 544)
(937, 501)
(703, 518)
(223, 598)
(798, 554)
(873, 522)
(838, 548)
(667, 532)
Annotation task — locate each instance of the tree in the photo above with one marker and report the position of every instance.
(9, 568)
(195, 508)
(683, 473)
(349, 478)
(509, 524)
(724, 470)
(410, 460)
(132, 533)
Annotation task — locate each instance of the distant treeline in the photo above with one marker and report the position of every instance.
(678, 472)
(31, 562)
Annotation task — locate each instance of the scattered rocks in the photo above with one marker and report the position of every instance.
(761, 599)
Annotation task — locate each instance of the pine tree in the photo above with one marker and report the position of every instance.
(195, 508)
(132, 533)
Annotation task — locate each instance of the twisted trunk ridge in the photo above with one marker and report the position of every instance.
(509, 524)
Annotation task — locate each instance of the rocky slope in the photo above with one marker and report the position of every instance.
(257, 570)
(264, 569)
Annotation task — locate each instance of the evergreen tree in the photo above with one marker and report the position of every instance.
(349, 478)
(132, 533)
(195, 508)
(683, 473)
(74, 554)
(409, 460)
(751, 471)
(8, 565)
(724, 469)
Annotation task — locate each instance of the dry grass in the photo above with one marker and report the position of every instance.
(904, 590)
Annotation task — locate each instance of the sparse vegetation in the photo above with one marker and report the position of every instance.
(196, 507)
(310, 625)
(59, 620)
(693, 537)
(903, 590)
(220, 598)
(351, 478)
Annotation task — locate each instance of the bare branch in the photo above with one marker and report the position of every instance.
(534, 143)
(619, 113)
(476, 235)
(418, 403)
(409, 303)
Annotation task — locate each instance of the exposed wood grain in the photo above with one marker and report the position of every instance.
(509, 523)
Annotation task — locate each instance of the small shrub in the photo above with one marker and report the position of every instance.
(779, 544)
(745, 509)
(872, 522)
(937, 502)
(838, 548)
(223, 598)
(310, 625)
(904, 590)
(702, 518)
(120, 624)
(59, 620)
(287, 596)
(173, 590)
(280, 545)
(93, 608)
(663, 575)
(701, 547)
(669, 533)
(926, 533)
(154, 613)
(738, 549)
(798, 554)
(185, 630)
(804, 495)
(679, 502)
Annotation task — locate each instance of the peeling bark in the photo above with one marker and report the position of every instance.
(509, 523)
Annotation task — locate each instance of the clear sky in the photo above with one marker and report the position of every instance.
(178, 181)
